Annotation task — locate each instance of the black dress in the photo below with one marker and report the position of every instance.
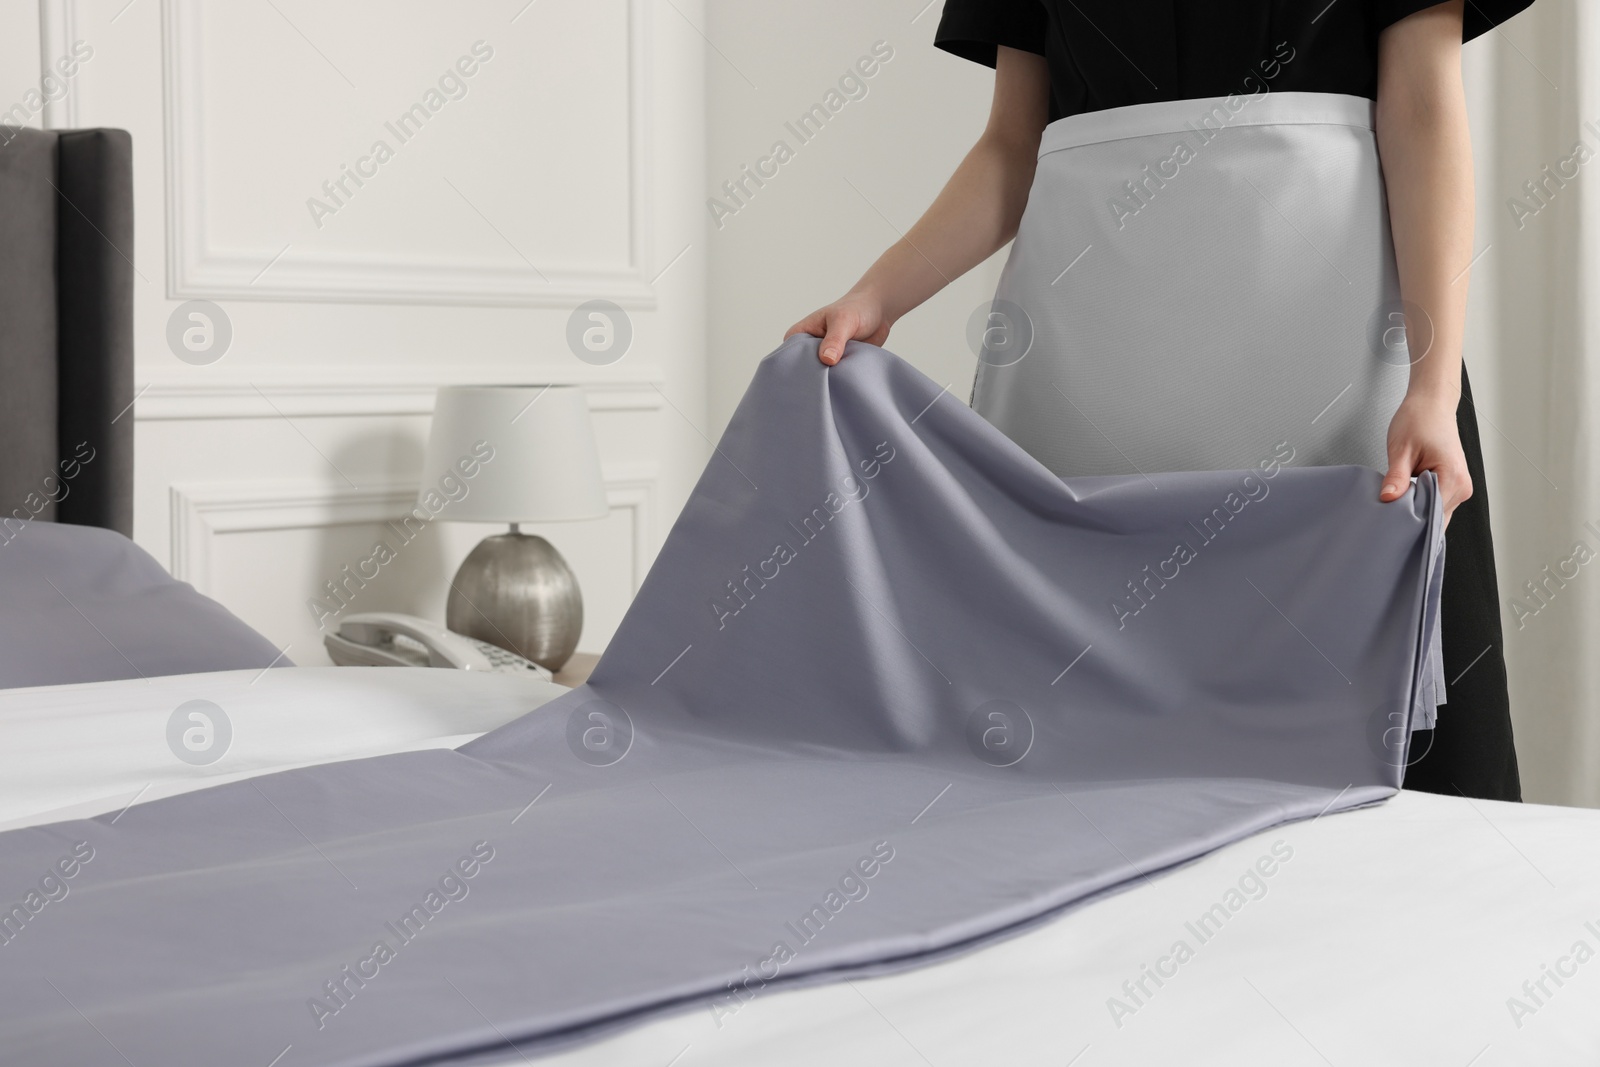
(1115, 53)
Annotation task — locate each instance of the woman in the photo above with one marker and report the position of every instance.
(1217, 206)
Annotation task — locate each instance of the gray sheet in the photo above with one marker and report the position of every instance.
(922, 726)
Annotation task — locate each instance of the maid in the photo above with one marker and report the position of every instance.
(1212, 268)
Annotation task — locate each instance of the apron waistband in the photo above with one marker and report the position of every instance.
(1205, 116)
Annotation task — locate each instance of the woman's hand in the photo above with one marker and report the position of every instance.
(1423, 437)
(857, 316)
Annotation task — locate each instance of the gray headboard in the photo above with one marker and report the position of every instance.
(66, 326)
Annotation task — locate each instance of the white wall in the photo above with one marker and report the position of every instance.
(570, 169)
(19, 64)
(846, 195)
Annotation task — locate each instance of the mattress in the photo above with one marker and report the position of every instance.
(1425, 930)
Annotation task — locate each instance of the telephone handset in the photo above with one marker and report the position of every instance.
(389, 639)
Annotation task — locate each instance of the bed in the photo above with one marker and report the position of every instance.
(1397, 934)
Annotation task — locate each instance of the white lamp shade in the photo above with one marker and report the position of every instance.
(512, 454)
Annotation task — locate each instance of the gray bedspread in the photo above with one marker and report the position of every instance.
(891, 690)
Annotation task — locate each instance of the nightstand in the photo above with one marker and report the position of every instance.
(576, 670)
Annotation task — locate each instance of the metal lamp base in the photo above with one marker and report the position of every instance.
(514, 590)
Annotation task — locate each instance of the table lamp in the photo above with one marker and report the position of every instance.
(514, 590)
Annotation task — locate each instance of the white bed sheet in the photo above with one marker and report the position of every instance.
(69, 751)
(1397, 934)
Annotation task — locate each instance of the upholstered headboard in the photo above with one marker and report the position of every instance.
(66, 326)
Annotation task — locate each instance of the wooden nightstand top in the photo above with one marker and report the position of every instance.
(576, 670)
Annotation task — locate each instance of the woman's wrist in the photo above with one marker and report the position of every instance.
(1435, 383)
(868, 292)
(1442, 396)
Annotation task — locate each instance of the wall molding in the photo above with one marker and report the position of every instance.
(200, 512)
(196, 268)
(353, 391)
(58, 20)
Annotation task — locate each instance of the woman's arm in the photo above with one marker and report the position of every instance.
(1426, 152)
(976, 213)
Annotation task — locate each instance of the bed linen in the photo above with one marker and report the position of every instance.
(70, 751)
(954, 712)
(86, 604)
(1475, 921)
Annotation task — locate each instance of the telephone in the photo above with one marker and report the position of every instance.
(389, 639)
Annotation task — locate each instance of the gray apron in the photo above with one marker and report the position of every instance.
(1201, 285)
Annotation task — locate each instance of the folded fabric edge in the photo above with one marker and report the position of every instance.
(1429, 689)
